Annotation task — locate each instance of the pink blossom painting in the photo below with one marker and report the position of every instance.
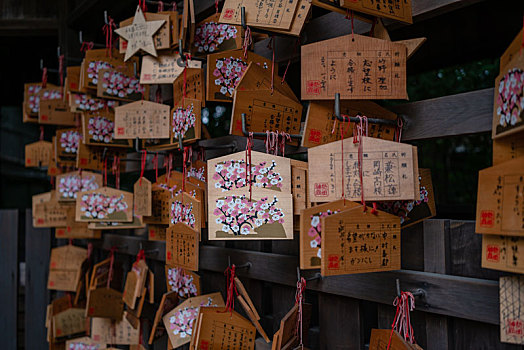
(101, 129)
(231, 174)
(510, 99)
(32, 97)
(182, 282)
(102, 207)
(210, 36)
(84, 103)
(315, 234)
(93, 68)
(197, 173)
(182, 212)
(227, 73)
(114, 84)
(70, 184)
(69, 140)
(183, 122)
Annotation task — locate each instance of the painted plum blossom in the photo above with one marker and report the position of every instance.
(227, 74)
(403, 208)
(197, 173)
(101, 129)
(231, 174)
(85, 103)
(182, 212)
(240, 216)
(181, 323)
(70, 185)
(183, 120)
(69, 141)
(83, 346)
(117, 84)
(181, 282)
(315, 230)
(210, 35)
(34, 98)
(510, 99)
(100, 206)
(94, 67)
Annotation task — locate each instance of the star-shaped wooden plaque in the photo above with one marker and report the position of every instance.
(139, 34)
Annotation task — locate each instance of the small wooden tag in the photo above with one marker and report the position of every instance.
(185, 283)
(135, 283)
(511, 306)
(99, 59)
(400, 11)
(287, 338)
(299, 186)
(67, 143)
(38, 154)
(142, 197)
(507, 148)
(260, 14)
(104, 302)
(157, 232)
(354, 241)
(383, 339)
(161, 38)
(69, 322)
(65, 267)
(92, 158)
(169, 302)
(185, 208)
(164, 69)
(50, 213)
(107, 331)
(194, 79)
(142, 119)
(98, 129)
(186, 121)
(182, 246)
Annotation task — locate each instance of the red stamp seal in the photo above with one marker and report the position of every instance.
(120, 131)
(321, 189)
(487, 218)
(333, 262)
(493, 253)
(228, 13)
(315, 136)
(513, 326)
(313, 87)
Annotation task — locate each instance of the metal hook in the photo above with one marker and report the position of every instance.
(262, 134)
(80, 37)
(180, 143)
(58, 51)
(243, 17)
(137, 149)
(180, 50)
(244, 266)
(104, 153)
(317, 276)
(416, 293)
(105, 17)
(356, 119)
(151, 251)
(134, 68)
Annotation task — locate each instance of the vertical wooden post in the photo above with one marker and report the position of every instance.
(339, 320)
(9, 273)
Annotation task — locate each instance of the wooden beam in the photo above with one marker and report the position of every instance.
(466, 113)
(469, 298)
(29, 27)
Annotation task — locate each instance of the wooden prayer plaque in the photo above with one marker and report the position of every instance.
(380, 339)
(104, 204)
(512, 49)
(311, 230)
(390, 171)
(104, 302)
(160, 199)
(211, 37)
(503, 253)
(69, 184)
(198, 171)
(182, 247)
(50, 213)
(287, 338)
(142, 197)
(107, 331)
(135, 282)
(99, 59)
(179, 321)
(233, 216)
(67, 141)
(194, 88)
(186, 121)
(142, 119)
(56, 112)
(83, 343)
(218, 328)
(69, 322)
(225, 69)
(301, 16)
(500, 203)
(321, 121)
(73, 78)
(265, 111)
(74, 229)
(508, 102)
(354, 241)
(269, 172)
(161, 39)
(32, 101)
(99, 129)
(185, 283)
(507, 148)
(164, 69)
(399, 10)
(157, 232)
(38, 154)
(187, 209)
(40, 198)
(412, 212)
(65, 267)
(299, 186)
(512, 309)
(116, 85)
(87, 103)
(92, 158)
(258, 77)
(267, 14)
(169, 302)
(358, 67)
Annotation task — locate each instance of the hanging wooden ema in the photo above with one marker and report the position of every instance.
(72, 82)
(302, 14)
(197, 171)
(157, 232)
(186, 121)
(179, 321)
(185, 283)
(98, 129)
(182, 247)
(399, 10)
(161, 37)
(288, 338)
(38, 154)
(142, 197)
(504, 253)
(100, 275)
(104, 302)
(169, 302)
(321, 121)
(67, 142)
(211, 37)
(384, 339)
(299, 186)
(511, 304)
(139, 34)
(112, 83)
(185, 208)
(31, 103)
(54, 109)
(133, 314)
(92, 158)
(218, 328)
(65, 267)
(500, 200)
(142, 119)
(225, 69)
(164, 69)
(74, 229)
(69, 322)
(83, 343)
(98, 59)
(87, 103)
(135, 282)
(412, 212)
(508, 102)
(358, 241)
(49, 213)
(389, 171)
(160, 200)
(512, 49)
(508, 148)
(193, 79)
(356, 66)
(264, 13)
(69, 184)
(107, 331)
(311, 230)
(104, 204)
(249, 308)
